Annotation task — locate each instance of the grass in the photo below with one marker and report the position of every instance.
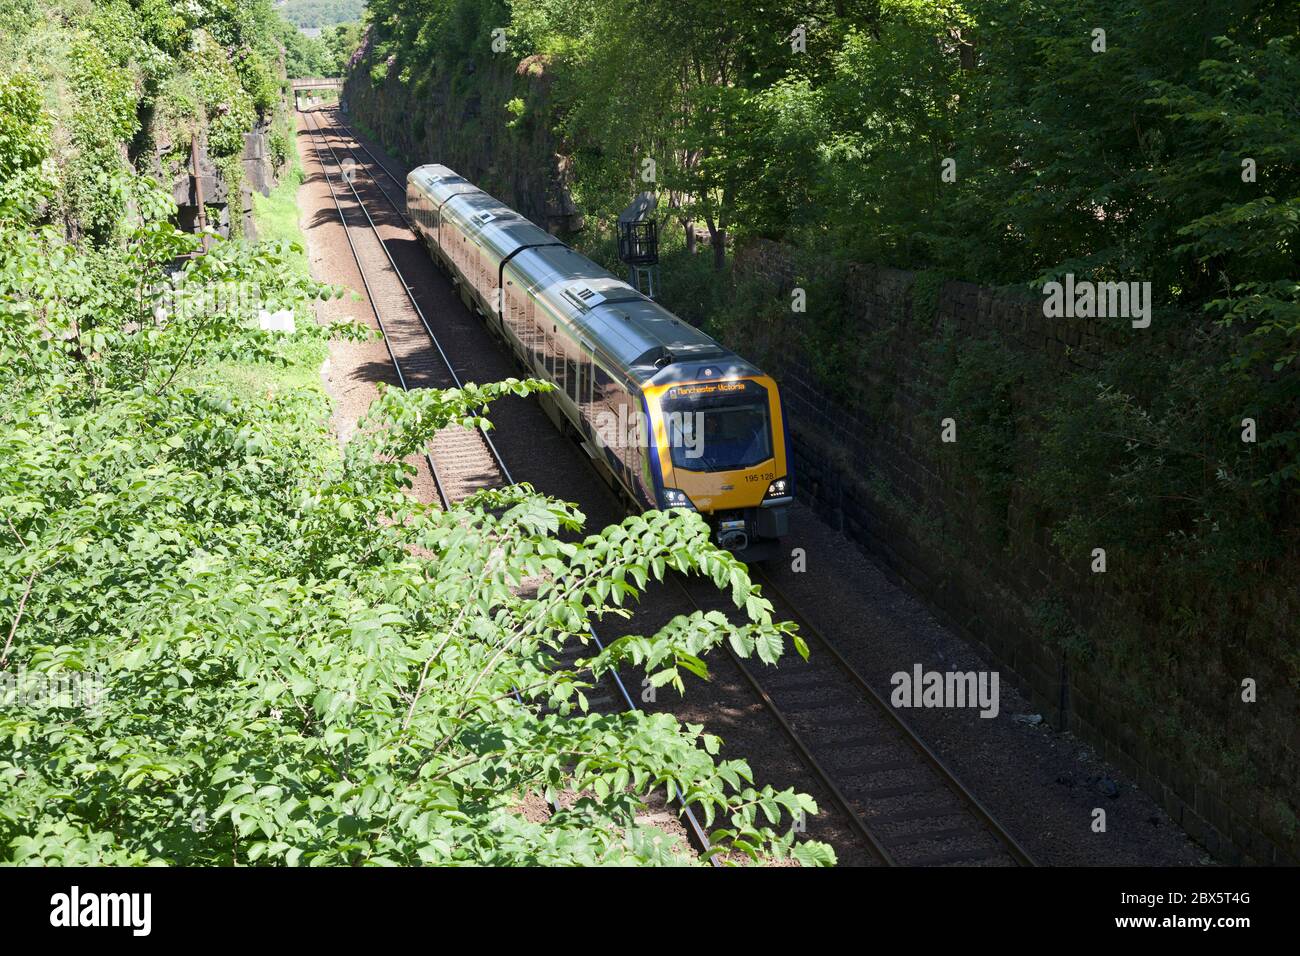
(276, 215)
(276, 218)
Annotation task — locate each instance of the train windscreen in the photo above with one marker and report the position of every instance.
(718, 427)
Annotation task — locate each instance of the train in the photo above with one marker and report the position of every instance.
(671, 418)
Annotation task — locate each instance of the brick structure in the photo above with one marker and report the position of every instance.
(876, 470)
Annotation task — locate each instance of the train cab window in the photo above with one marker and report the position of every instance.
(721, 427)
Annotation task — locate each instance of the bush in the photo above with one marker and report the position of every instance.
(229, 642)
(275, 656)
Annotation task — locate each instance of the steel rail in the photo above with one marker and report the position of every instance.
(805, 755)
(377, 162)
(693, 824)
(406, 287)
(370, 297)
(949, 776)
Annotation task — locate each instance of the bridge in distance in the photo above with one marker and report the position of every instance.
(317, 83)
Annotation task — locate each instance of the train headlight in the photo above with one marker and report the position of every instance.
(677, 499)
(778, 488)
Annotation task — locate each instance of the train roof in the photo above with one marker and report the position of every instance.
(651, 345)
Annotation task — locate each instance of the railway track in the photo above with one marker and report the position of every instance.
(904, 804)
(462, 460)
(468, 461)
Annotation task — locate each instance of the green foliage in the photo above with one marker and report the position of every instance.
(292, 661)
(926, 286)
(26, 179)
(229, 109)
(1244, 243)
(125, 81)
(103, 120)
(341, 43)
(258, 80)
(321, 13)
(981, 394)
(306, 56)
(1149, 458)
(1058, 630)
(228, 641)
(516, 108)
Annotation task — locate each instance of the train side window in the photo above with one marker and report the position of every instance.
(602, 385)
(563, 364)
(519, 321)
(631, 454)
(521, 311)
(530, 328)
(602, 412)
(538, 349)
(596, 410)
(583, 393)
(620, 404)
(552, 351)
(645, 455)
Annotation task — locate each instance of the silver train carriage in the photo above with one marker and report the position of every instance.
(674, 419)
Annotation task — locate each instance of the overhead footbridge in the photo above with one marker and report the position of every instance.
(317, 83)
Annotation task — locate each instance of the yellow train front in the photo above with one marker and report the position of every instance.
(720, 448)
(670, 417)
